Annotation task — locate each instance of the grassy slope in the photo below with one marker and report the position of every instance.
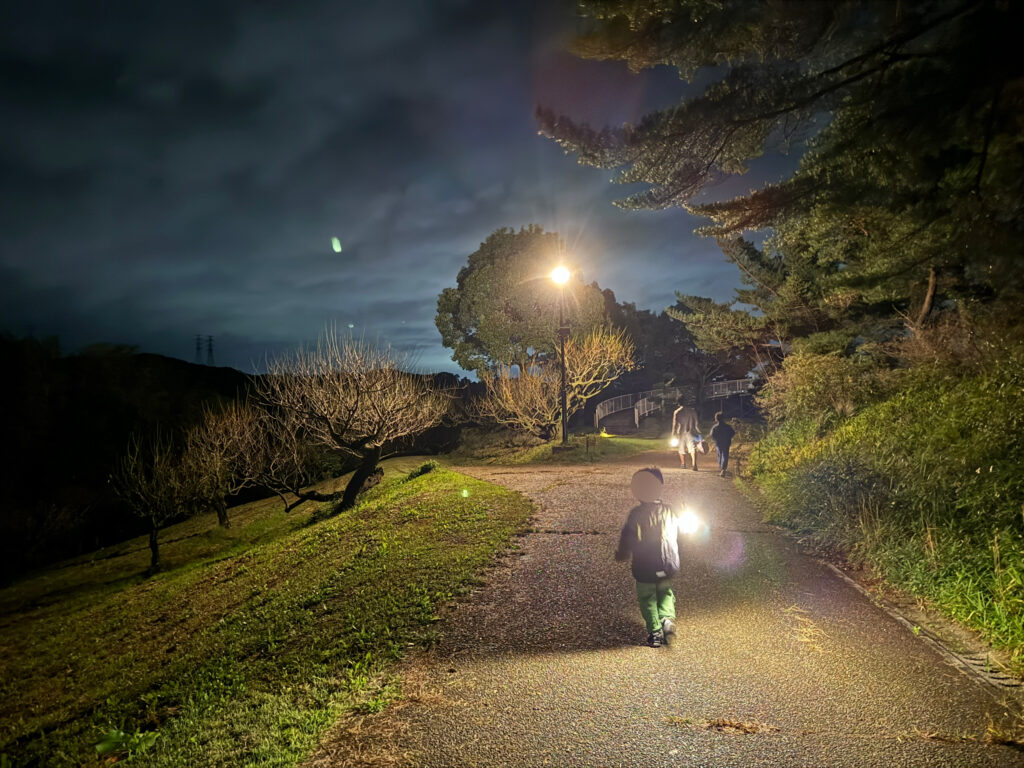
(254, 640)
(926, 487)
(585, 449)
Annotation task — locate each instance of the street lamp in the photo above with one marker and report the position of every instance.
(560, 276)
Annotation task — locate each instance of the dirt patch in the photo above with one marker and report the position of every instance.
(722, 725)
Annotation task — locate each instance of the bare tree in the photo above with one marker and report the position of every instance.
(152, 479)
(282, 458)
(218, 454)
(354, 398)
(593, 361)
(530, 401)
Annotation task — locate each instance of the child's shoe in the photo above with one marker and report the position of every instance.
(668, 628)
(655, 639)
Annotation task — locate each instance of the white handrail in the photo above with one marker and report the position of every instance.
(643, 404)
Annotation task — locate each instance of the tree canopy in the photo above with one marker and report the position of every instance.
(909, 193)
(504, 308)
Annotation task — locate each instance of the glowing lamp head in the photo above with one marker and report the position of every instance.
(689, 523)
(560, 275)
(674, 442)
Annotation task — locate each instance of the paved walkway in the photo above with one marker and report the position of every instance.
(547, 665)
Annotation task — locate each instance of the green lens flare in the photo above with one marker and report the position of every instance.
(336, 244)
(465, 493)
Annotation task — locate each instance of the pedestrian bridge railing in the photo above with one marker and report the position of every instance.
(623, 402)
(725, 388)
(645, 403)
(613, 405)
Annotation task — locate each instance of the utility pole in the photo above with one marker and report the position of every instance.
(209, 350)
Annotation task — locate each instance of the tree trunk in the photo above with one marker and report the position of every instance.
(929, 296)
(298, 501)
(363, 471)
(222, 514)
(154, 548)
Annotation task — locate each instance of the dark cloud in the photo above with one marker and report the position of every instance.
(173, 169)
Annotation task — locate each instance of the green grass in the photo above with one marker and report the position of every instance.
(499, 448)
(925, 486)
(190, 543)
(254, 640)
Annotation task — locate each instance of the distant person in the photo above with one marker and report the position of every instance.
(686, 428)
(649, 537)
(722, 433)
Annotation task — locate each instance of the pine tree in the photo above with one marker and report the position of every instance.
(909, 192)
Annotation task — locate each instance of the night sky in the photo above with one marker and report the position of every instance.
(168, 169)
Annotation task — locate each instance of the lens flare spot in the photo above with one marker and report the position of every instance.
(336, 244)
(465, 493)
(732, 555)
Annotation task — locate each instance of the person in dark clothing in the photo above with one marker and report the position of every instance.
(650, 537)
(722, 433)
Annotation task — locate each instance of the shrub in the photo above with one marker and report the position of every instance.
(423, 469)
(925, 485)
(822, 387)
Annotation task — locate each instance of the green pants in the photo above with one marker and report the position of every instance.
(656, 602)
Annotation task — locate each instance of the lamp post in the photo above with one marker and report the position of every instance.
(560, 276)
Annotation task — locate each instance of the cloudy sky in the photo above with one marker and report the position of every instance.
(168, 169)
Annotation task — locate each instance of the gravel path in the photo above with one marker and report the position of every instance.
(547, 664)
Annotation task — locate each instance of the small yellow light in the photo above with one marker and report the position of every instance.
(560, 275)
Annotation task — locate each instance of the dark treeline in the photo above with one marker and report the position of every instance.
(67, 420)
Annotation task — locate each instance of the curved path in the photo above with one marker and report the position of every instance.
(546, 664)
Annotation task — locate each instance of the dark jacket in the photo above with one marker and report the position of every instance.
(722, 434)
(650, 536)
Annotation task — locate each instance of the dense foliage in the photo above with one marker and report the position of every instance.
(908, 196)
(505, 308)
(925, 484)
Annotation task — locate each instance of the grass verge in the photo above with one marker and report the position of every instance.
(924, 486)
(246, 649)
(497, 447)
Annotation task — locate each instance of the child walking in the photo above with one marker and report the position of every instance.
(722, 433)
(650, 537)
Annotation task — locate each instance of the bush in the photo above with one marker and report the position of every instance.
(925, 485)
(822, 387)
(423, 469)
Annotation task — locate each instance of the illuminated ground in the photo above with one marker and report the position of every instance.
(546, 664)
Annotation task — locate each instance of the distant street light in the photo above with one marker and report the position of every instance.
(560, 276)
